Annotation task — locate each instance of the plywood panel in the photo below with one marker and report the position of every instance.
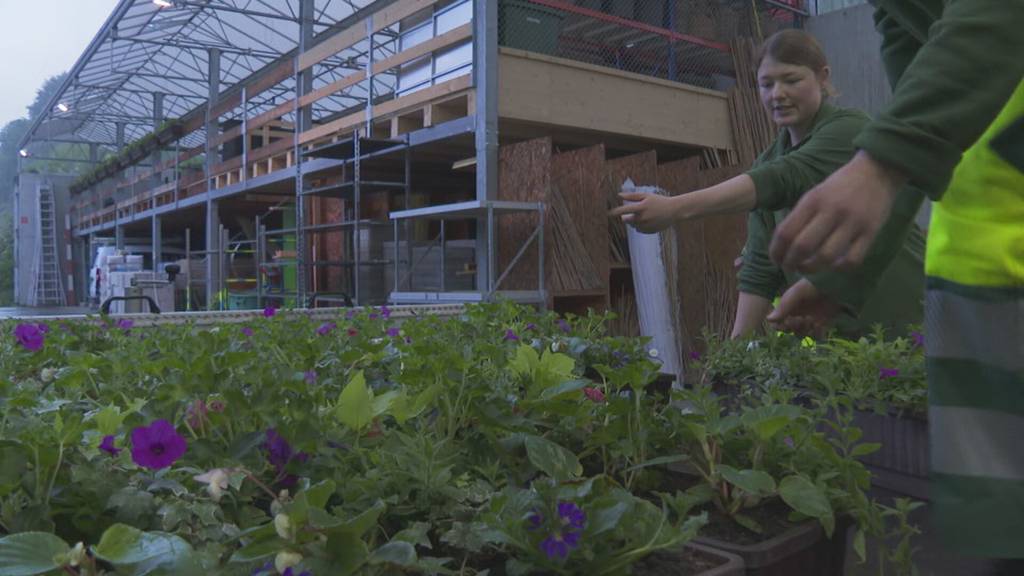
(558, 92)
(642, 169)
(524, 175)
(578, 176)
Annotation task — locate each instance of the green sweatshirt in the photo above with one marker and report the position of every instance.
(953, 64)
(781, 175)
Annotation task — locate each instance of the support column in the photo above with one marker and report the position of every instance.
(94, 153)
(158, 119)
(212, 211)
(119, 137)
(119, 236)
(485, 79)
(156, 242)
(304, 117)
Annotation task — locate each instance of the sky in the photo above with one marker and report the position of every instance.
(39, 39)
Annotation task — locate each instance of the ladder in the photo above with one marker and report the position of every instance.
(49, 289)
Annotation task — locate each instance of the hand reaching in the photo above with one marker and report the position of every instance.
(648, 213)
(804, 310)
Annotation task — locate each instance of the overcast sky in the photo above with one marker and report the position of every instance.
(39, 39)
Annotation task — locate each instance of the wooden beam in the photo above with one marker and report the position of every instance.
(225, 106)
(389, 107)
(336, 86)
(352, 35)
(270, 78)
(453, 36)
(270, 115)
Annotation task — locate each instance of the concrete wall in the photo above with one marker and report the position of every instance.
(851, 45)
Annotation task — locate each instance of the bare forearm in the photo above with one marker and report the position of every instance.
(751, 311)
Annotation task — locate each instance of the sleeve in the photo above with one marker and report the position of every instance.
(949, 90)
(780, 182)
(759, 275)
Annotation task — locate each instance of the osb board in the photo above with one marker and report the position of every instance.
(707, 249)
(578, 175)
(642, 169)
(524, 175)
(331, 244)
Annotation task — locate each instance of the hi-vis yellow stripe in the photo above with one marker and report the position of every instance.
(976, 236)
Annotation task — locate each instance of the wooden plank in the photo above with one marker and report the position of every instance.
(392, 106)
(269, 116)
(558, 92)
(577, 176)
(225, 136)
(453, 36)
(270, 150)
(226, 166)
(270, 78)
(225, 106)
(524, 175)
(336, 86)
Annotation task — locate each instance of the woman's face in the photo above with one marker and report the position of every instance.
(792, 94)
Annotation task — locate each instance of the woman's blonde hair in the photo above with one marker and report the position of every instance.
(797, 48)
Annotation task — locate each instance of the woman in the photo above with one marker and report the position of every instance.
(815, 138)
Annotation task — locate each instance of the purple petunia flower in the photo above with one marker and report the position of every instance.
(884, 373)
(694, 355)
(107, 445)
(157, 446)
(374, 316)
(558, 544)
(918, 339)
(563, 325)
(267, 567)
(269, 312)
(350, 314)
(510, 335)
(310, 376)
(326, 328)
(571, 515)
(392, 332)
(247, 332)
(531, 326)
(29, 336)
(279, 451)
(44, 328)
(125, 324)
(385, 312)
(536, 520)
(289, 571)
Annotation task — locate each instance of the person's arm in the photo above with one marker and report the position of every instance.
(945, 97)
(751, 311)
(651, 213)
(950, 89)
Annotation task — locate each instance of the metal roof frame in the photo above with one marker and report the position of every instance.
(143, 49)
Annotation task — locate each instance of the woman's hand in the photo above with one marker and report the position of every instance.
(648, 213)
(804, 310)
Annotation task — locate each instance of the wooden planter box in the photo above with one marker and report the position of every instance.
(800, 550)
(901, 464)
(674, 562)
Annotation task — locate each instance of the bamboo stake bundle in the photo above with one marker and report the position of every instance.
(572, 268)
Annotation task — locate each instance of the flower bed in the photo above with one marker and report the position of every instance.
(502, 440)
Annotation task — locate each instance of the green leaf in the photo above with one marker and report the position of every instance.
(756, 482)
(318, 494)
(364, 522)
(659, 461)
(808, 499)
(552, 459)
(525, 361)
(258, 549)
(748, 523)
(355, 404)
(564, 388)
(865, 449)
(397, 553)
(554, 367)
(109, 419)
(347, 551)
(417, 534)
(382, 403)
(767, 421)
(860, 546)
(608, 518)
(138, 553)
(28, 553)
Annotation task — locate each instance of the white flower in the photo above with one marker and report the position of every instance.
(653, 352)
(216, 482)
(556, 346)
(77, 555)
(285, 560)
(283, 525)
(753, 345)
(48, 374)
